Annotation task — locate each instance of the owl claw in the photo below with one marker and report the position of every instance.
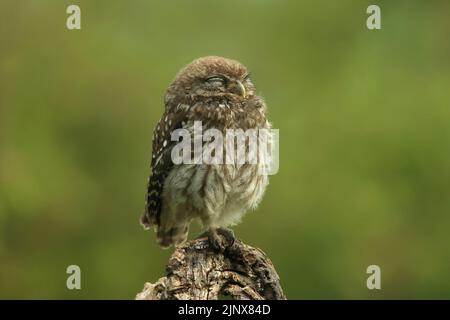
(221, 239)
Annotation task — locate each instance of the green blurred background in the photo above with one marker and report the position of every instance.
(364, 124)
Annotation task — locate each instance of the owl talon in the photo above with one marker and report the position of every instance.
(221, 239)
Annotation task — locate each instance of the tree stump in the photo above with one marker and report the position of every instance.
(195, 271)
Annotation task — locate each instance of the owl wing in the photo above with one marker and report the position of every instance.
(161, 166)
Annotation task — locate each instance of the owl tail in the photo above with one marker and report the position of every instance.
(146, 221)
(173, 235)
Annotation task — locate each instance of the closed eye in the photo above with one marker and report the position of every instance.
(216, 81)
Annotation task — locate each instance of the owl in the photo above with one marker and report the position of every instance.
(218, 93)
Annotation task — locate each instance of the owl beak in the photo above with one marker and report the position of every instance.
(238, 88)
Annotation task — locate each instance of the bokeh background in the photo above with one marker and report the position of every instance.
(364, 120)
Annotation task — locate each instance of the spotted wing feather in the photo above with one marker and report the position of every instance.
(161, 165)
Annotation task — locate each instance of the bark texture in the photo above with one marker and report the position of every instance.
(197, 272)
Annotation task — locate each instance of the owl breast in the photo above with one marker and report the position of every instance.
(217, 194)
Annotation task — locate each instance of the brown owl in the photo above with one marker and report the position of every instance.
(219, 93)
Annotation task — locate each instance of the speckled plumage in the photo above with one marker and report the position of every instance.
(217, 194)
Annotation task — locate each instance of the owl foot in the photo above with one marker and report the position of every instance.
(220, 239)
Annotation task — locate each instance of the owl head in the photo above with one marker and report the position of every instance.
(211, 77)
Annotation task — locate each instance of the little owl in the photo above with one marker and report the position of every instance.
(219, 93)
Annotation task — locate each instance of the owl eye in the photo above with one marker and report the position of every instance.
(216, 81)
